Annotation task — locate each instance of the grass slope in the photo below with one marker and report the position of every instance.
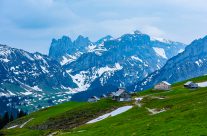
(61, 117)
(185, 115)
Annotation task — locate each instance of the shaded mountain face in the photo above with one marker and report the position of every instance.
(188, 64)
(65, 50)
(31, 75)
(109, 63)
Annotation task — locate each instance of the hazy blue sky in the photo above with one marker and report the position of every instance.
(31, 24)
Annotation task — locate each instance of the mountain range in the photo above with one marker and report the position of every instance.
(78, 69)
(102, 66)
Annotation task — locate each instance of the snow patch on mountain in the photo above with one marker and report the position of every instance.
(199, 62)
(83, 81)
(181, 50)
(7, 94)
(26, 93)
(38, 57)
(37, 88)
(70, 58)
(28, 56)
(65, 60)
(5, 60)
(159, 39)
(44, 69)
(102, 70)
(97, 49)
(4, 51)
(136, 58)
(91, 48)
(79, 79)
(160, 52)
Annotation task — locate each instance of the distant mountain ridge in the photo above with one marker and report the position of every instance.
(113, 62)
(188, 64)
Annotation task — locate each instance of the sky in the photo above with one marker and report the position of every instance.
(32, 24)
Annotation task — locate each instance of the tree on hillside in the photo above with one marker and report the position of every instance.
(21, 113)
(1, 122)
(5, 118)
(11, 118)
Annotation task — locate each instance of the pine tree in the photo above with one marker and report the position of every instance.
(5, 118)
(11, 118)
(1, 122)
(25, 113)
(21, 113)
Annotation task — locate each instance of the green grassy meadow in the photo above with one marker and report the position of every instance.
(185, 114)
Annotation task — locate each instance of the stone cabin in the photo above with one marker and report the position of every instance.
(191, 85)
(162, 86)
(122, 95)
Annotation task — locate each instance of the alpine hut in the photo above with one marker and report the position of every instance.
(162, 86)
(122, 95)
(191, 84)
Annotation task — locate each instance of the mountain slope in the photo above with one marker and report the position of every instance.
(119, 62)
(177, 112)
(31, 75)
(112, 62)
(188, 64)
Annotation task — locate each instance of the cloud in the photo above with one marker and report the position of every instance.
(34, 14)
(31, 24)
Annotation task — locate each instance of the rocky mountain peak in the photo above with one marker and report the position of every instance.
(137, 32)
(81, 41)
(60, 47)
(104, 39)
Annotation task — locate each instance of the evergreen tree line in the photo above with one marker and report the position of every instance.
(6, 118)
